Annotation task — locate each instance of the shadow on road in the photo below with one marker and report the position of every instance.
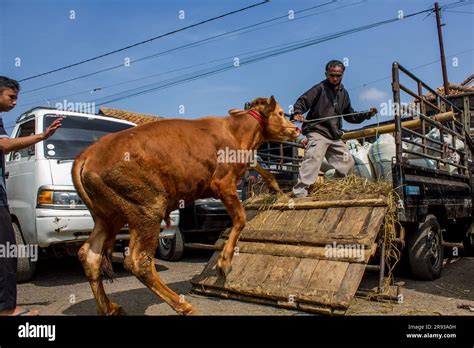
(69, 271)
(456, 280)
(134, 302)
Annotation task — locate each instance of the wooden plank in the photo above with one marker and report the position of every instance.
(353, 221)
(283, 258)
(300, 251)
(270, 220)
(374, 225)
(305, 235)
(258, 221)
(239, 266)
(257, 270)
(283, 227)
(315, 308)
(281, 272)
(349, 284)
(284, 221)
(308, 307)
(302, 274)
(287, 289)
(298, 219)
(328, 223)
(312, 220)
(328, 275)
(309, 226)
(261, 236)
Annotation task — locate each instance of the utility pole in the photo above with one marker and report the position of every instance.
(441, 49)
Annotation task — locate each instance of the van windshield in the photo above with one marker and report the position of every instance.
(75, 134)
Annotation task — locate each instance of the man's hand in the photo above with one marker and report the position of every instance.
(52, 128)
(299, 118)
(372, 112)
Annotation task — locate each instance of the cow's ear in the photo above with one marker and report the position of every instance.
(271, 104)
(237, 112)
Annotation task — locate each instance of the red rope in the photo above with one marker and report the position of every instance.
(259, 118)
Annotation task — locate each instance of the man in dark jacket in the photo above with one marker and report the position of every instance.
(327, 98)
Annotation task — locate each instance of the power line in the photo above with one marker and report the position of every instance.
(203, 74)
(11, 125)
(411, 69)
(288, 48)
(457, 4)
(217, 60)
(466, 12)
(196, 44)
(145, 41)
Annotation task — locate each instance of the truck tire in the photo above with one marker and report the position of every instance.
(26, 267)
(171, 249)
(468, 242)
(425, 250)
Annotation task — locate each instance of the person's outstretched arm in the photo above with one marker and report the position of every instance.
(12, 144)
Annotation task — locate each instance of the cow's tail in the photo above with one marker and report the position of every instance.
(78, 183)
(106, 269)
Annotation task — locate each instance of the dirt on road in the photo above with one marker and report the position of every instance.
(61, 288)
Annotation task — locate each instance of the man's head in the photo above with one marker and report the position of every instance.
(9, 89)
(335, 71)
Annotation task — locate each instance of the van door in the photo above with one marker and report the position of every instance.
(21, 189)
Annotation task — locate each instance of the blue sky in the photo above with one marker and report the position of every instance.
(42, 34)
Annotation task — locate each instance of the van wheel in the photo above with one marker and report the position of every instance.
(425, 250)
(25, 267)
(171, 249)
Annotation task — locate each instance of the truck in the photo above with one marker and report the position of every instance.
(311, 253)
(46, 211)
(435, 204)
(435, 201)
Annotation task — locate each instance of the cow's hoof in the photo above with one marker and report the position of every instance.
(186, 309)
(223, 268)
(116, 309)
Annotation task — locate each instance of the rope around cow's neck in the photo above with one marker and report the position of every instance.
(256, 115)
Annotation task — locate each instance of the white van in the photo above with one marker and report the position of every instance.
(45, 207)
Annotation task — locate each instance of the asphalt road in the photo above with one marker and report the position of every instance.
(61, 288)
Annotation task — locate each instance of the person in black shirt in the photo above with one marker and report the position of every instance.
(327, 98)
(8, 96)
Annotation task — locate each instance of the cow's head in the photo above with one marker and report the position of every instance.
(276, 126)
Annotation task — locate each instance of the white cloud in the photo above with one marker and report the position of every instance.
(373, 94)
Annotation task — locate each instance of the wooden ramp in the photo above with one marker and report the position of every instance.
(307, 255)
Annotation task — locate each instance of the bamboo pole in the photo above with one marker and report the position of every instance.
(303, 251)
(390, 128)
(370, 202)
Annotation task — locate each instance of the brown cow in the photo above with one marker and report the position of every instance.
(138, 176)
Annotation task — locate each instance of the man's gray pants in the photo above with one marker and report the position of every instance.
(318, 147)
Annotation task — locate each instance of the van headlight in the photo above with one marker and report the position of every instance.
(59, 200)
